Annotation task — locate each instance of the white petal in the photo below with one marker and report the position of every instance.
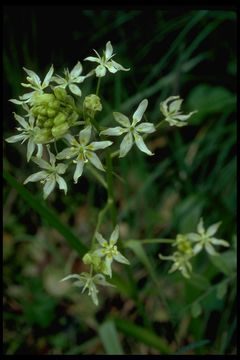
(59, 80)
(15, 138)
(49, 187)
(209, 248)
(118, 66)
(40, 150)
(100, 71)
(42, 163)
(76, 71)
(48, 77)
(62, 183)
(100, 239)
(122, 119)
(108, 262)
(194, 237)
(85, 134)
(30, 148)
(140, 144)
(94, 159)
(114, 236)
(126, 145)
(222, 242)
(116, 131)
(146, 127)
(66, 154)
(200, 227)
(120, 258)
(109, 50)
(72, 276)
(197, 248)
(21, 121)
(75, 89)
(164, 105)
(99, 145)
(78, 171)
(36, 177)
(33, 76)
(212, 229)
(61, 168)
(93, 59)
(175, 106)
(15, 101)
(137, 116)
(110, 67)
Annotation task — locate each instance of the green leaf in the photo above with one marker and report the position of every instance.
(196, 309)
(225, 263)
(46, 213)
(109, 337)
(198, 281)
(221, 290)
(143, 335)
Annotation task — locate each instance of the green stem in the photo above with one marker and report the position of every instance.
(101, 215)
(109, 171)
(157, 241)
(98, 86)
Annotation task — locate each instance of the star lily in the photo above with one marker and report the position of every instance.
(50, 175)
(132, 130)
(83, 151)
(34, 83)
(27, 132)
(180, 262)
(105, 62)
(109, 250)
(204, 238)
(172, 112)
(71, 79)
(87, 281)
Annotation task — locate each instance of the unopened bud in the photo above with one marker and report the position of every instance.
(60, 130)
(60, 93)
(59, 119)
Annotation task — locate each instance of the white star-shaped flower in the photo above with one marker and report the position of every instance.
(132, 130)
(180, 262)
(105, 62)
(172, 112)
(50, 175)
(83, 151)
(71, 79)
(109, 250)
(27, 132)
(204, 238)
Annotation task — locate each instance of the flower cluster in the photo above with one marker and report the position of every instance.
(100, 260)
(189, 245)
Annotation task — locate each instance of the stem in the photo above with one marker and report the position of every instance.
(110, 188)
(101, 215)
(157, 241)
(98, 86)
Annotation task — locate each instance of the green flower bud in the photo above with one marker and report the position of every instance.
(60, 93)
(72, 118)
(55, 104)
(48, 123)
(42, 110)
(51, 113)
(59, 119)
(41, 118)
(92, 102)
(42, 136)
(87, 259)
(60, 130)
(40, 99)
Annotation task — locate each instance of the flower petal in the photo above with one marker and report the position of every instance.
(109, 50)
(197, 248)
(15, 138)
(194, 237)
(62, 183)
(109, 65)
(120, 258)
(21, 121)
(126, 145)
(85, 134)
(92, 59)
(200, 227)
(30, 148)
(116, 131)
(175, 106)
(76, 71)
(94, 159)
(210, 249)
(36, 177)
(33, 76)
(222, 242)
(122, 119)
(108, 262)
(72, 276)
(213, 229)
(66, 154)
(100, 71)
(140, 144)
(103, 242)
(137, 116)
(48, 77)
(96, 145)
(42, 163)
(49, 187)
(118, 66)
(75, 90)
(78, 171)
(114, 236)
(146, 127)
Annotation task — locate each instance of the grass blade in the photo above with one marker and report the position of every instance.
(109, 337)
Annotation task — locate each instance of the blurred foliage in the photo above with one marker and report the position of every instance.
(193, 174)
